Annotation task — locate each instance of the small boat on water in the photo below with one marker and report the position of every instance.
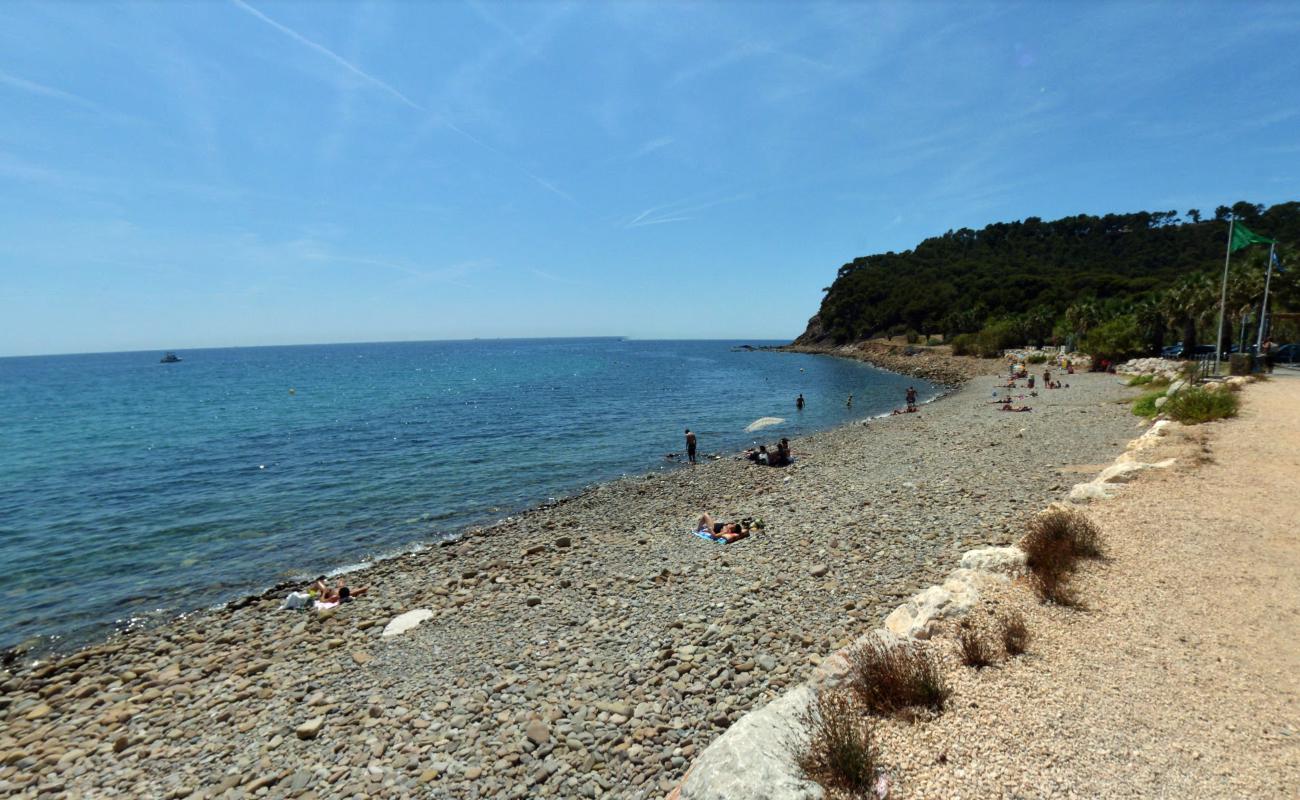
(169, 358)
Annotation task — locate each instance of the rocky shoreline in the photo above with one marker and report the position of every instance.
(589, 648)
(936, 364)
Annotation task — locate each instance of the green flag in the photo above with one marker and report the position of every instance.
(1242, 237)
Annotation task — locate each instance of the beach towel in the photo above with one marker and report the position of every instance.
(706, 537)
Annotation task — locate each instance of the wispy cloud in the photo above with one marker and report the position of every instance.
(40, 89)
(651, 146)
(677, 211)
(332, 56)
(553, 278)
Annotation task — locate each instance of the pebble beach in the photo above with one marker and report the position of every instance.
(590, 648)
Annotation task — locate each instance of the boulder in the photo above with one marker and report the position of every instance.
(404, 622)
(1087, 492)
(994, 559)
(1121, 472)
(955, 597)
(754, 758)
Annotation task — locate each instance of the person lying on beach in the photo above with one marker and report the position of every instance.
(343, 593)
(721, 531)
(314, 592)
(1008, 407)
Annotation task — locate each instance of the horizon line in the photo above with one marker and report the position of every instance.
(386, 341)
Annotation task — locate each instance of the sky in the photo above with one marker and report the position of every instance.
(232, 173)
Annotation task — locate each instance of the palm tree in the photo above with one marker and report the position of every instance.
(1150, 315)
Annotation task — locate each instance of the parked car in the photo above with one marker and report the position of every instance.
(1287, 353)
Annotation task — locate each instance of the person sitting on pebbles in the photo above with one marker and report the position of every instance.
(727, 532)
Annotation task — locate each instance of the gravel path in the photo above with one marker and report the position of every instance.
(1181, 678)
(586, 649)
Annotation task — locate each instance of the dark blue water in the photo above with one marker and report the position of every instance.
(131, 489)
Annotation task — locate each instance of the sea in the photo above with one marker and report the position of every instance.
(132, 490)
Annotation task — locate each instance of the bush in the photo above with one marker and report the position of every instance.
(1036, 358)
(963, 344)
(975, 648)
(839, 753)
(1015, 633)
(1053, 586)
(1140, 380)
(1082, 538)
(1055, 541)
(1115, 340)
(934, 341)
(1195, 405)
(889, 678)
(912, 336)
(1145, 406)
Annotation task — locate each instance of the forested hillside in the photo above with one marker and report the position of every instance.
(1046, 282)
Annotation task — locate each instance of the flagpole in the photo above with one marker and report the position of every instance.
(1223, 294)
(1263, 313)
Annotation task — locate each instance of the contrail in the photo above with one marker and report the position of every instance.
(331, 55)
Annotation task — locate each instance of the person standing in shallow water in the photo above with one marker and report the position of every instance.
(690, 446)
(798, 402)
(911, 398)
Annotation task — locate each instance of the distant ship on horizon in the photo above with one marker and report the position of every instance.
(169, 358)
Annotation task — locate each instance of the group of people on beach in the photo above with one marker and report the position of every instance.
(778, 456)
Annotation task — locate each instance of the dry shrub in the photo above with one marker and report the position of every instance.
(1015, 633)
(1065, 525)
(1054, 586)
(975, 648)
(889, 678)
(838, 753)
(1056, 540)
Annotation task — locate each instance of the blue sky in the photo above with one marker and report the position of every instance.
(226, 173)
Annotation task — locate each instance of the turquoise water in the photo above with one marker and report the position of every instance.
(132, 490)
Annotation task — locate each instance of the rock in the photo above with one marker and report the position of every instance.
(994, 559)
(1160, 401)
(361, 658)
(533, 600)
(310, 729)
(622, 709)
(473, 773)
(767, 663)
(752, 759)
(819, 570)
(564, 541)
(955, 597)
(404, 622)
(536, 549)
(121, 743)
(1084, 492)
(37, 711)
(1120, 473)
(537, 732)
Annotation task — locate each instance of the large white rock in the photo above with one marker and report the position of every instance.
(955, 597)
(1121, 472)
(754, 759)
(404, 622)
(1087, 492)
(994, 559)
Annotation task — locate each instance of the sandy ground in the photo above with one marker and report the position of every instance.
(1182, 677)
